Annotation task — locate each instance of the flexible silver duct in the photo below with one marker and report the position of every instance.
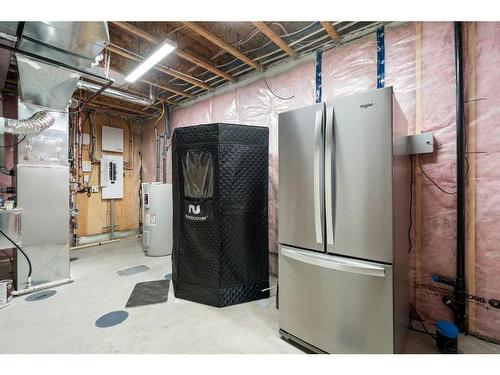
(31, 126)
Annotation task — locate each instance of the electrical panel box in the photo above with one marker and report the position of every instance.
(112, 139)
(112, 176)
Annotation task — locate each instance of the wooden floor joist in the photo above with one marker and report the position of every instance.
(171, 72)
(330, 29)
(167, 88)
(181, 53)
(221, 43)
(96, 102)
(276, 39)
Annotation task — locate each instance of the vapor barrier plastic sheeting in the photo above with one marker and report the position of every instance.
(419, 64)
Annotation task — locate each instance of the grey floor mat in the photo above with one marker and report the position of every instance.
(40, 295)
(111, 319)
(133, 270)
(148, 293)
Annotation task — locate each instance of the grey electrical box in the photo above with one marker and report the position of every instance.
(157, 218)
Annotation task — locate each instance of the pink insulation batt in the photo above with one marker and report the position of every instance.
(425, 90)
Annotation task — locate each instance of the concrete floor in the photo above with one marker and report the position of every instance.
(65, 322)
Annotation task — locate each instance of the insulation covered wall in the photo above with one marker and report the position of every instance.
(419, 64)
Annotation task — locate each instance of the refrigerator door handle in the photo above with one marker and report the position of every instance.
(318, 222)
(333, 263)
(330, 178)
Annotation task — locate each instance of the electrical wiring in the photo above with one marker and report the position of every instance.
(15, 144)
(421, 322)
(269, 88)
(22, 252)
(162, 113)
(433, 182)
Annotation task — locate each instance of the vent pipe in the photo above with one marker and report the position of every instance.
(31, 126)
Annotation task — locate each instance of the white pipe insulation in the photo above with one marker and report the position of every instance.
(33, 125)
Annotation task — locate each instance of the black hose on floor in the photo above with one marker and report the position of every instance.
(21, 250)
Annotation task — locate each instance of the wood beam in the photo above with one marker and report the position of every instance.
(168, 88)
(161, 68)
(330, 29)
(220, 43)
(183, 54)
(266, 30)
(135, 92)
(118, 106)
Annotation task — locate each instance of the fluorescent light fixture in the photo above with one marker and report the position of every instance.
(152, 60)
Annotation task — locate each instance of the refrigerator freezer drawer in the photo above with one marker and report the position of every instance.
(336, 304)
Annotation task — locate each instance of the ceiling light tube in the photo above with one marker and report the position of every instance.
(152, 60)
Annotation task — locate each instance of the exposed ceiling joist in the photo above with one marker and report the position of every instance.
(183, 54)
(118, 106)
(275, 38)
(139, 93)
(168, 88)
(330, 29)
(220, 43)
(161, 68)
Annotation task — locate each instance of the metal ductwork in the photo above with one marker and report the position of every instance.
(31, 126)
(70, 44)
(116, 94)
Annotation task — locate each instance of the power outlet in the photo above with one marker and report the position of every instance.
(95, 189)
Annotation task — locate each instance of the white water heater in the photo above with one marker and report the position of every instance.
(157, 237)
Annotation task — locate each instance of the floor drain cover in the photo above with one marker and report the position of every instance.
(133, 270)
(111, 319)
(148, 293)
(40, 295)
(168, 276)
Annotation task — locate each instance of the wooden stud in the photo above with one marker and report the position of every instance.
(418, 173)
(183, 54)
(220, 43)
(330, 29)
(471, 176)
(266, 30)
(161, 68)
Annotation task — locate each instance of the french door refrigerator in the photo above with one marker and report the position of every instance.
(343, 225)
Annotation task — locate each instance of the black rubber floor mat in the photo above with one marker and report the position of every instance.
(133, 270)
(148, 293)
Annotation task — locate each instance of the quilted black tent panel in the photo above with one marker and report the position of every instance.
(220, 187)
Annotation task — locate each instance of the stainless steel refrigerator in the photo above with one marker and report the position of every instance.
(343, 225)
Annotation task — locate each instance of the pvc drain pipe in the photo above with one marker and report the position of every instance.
(37, 288)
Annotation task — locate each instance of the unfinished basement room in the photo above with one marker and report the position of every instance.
(173, 183)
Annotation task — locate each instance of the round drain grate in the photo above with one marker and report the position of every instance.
(40, 295)
(111, 319)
